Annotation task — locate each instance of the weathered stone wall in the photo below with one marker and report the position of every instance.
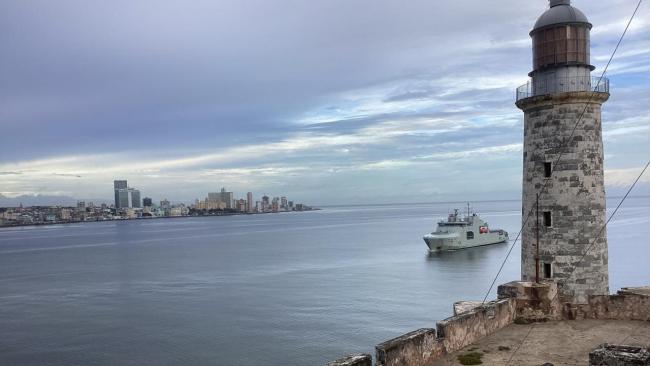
(574, 193)
(412, 349)
(612, 355)
(628, 304)
(464, 329)
(533, 301)
(360, 359)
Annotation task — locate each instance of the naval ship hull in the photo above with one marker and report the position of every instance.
(444, 242)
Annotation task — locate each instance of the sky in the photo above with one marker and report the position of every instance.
(327, 102)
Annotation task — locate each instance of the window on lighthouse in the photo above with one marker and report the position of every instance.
(547, 270)
(547, 219)
(548, 169)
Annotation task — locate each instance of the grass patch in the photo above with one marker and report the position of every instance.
(473, 358)
(521, 321)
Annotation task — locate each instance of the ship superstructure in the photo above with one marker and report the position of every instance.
(463, 232)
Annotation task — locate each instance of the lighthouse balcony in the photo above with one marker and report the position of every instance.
(555, 85)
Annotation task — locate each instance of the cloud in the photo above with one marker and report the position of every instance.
(625, 177)
(183, 97)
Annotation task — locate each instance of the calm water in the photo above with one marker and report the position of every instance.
(286, 289)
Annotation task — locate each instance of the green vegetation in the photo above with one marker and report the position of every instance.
(521, 321)
(472, 358)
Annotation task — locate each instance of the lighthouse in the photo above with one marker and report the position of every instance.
(563, 203)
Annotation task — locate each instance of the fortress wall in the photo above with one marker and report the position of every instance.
(527, 300)
(415, 348)
(627, 304)
(360, 359)
(466, 328)
(424, 345)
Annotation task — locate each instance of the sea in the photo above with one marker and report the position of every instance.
(276, 289)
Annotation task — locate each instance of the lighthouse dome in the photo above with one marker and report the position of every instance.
(561, 12)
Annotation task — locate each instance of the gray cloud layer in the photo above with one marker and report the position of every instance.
(181, 97)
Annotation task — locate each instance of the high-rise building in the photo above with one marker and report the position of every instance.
(120, 188)
(283, 203)
(147, 202)
(134, 198)
(221, 199)
(266, 204)
(227, 198)
(249, 200)
(563, 185)
(120, 184)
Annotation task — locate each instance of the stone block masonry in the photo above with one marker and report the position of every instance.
(528, 301)
(627, 304)
(425, 345)
(360, 359)
(610, 355)
(414, 348)
(572, 206)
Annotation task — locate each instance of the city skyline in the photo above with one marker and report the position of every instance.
(415, 106)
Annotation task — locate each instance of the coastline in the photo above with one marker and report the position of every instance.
(15, 225)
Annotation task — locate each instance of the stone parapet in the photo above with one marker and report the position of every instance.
(612, 355)
(411, 349)
(533, 301)
(359, 359)
(474, 321)
(463, 329)
(627, 304)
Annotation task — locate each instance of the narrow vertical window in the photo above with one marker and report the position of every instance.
(547, 270)
(547, 169)
(547, 219)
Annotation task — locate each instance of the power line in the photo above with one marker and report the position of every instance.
(542, 190)
(573, 268)
(554, 166)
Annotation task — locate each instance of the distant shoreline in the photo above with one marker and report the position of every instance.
(150, 218)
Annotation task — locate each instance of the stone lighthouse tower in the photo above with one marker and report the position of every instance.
(563, 188)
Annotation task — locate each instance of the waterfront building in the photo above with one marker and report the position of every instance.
(120, 188)
(65, 214)
(249, 200)
(147, 202)
(241, 205)
(227, 198)
(275, 204)
(265, 204)
(81, 205)
(563, 164)
(134, 198)
(283, 203)
(120, 184)
(214, 196)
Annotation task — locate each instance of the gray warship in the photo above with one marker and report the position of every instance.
(462, 233)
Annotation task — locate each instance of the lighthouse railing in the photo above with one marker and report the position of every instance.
(562, 85)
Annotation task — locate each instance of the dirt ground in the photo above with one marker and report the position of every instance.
(558, 343)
